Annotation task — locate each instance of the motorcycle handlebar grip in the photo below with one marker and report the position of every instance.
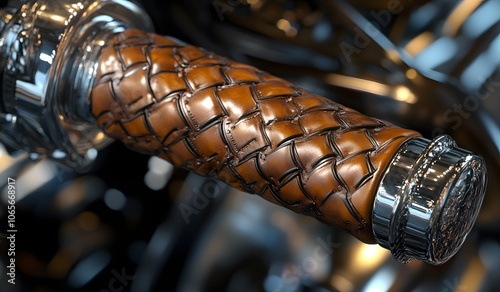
(227, 120)
(245, 127)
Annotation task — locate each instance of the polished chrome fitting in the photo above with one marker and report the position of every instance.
(48, 59)
(428, 200)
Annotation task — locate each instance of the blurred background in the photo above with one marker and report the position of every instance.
(133, 223)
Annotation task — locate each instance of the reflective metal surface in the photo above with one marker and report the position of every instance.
(428, 200)
(45, 46)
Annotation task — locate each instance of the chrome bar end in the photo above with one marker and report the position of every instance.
(428, 200)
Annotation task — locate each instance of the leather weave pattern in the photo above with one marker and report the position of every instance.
(254, 131)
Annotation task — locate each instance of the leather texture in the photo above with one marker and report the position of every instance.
(254, 131)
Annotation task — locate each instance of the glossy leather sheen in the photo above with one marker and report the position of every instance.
(250, 129)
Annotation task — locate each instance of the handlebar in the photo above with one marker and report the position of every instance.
(75, 75)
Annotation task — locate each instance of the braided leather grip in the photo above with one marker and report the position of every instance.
(245, 127)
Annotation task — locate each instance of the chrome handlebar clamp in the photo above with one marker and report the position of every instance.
(48, 59)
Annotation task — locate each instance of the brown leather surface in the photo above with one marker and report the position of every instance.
(252, 130)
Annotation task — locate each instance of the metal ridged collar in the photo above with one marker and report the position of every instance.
(428, 200)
